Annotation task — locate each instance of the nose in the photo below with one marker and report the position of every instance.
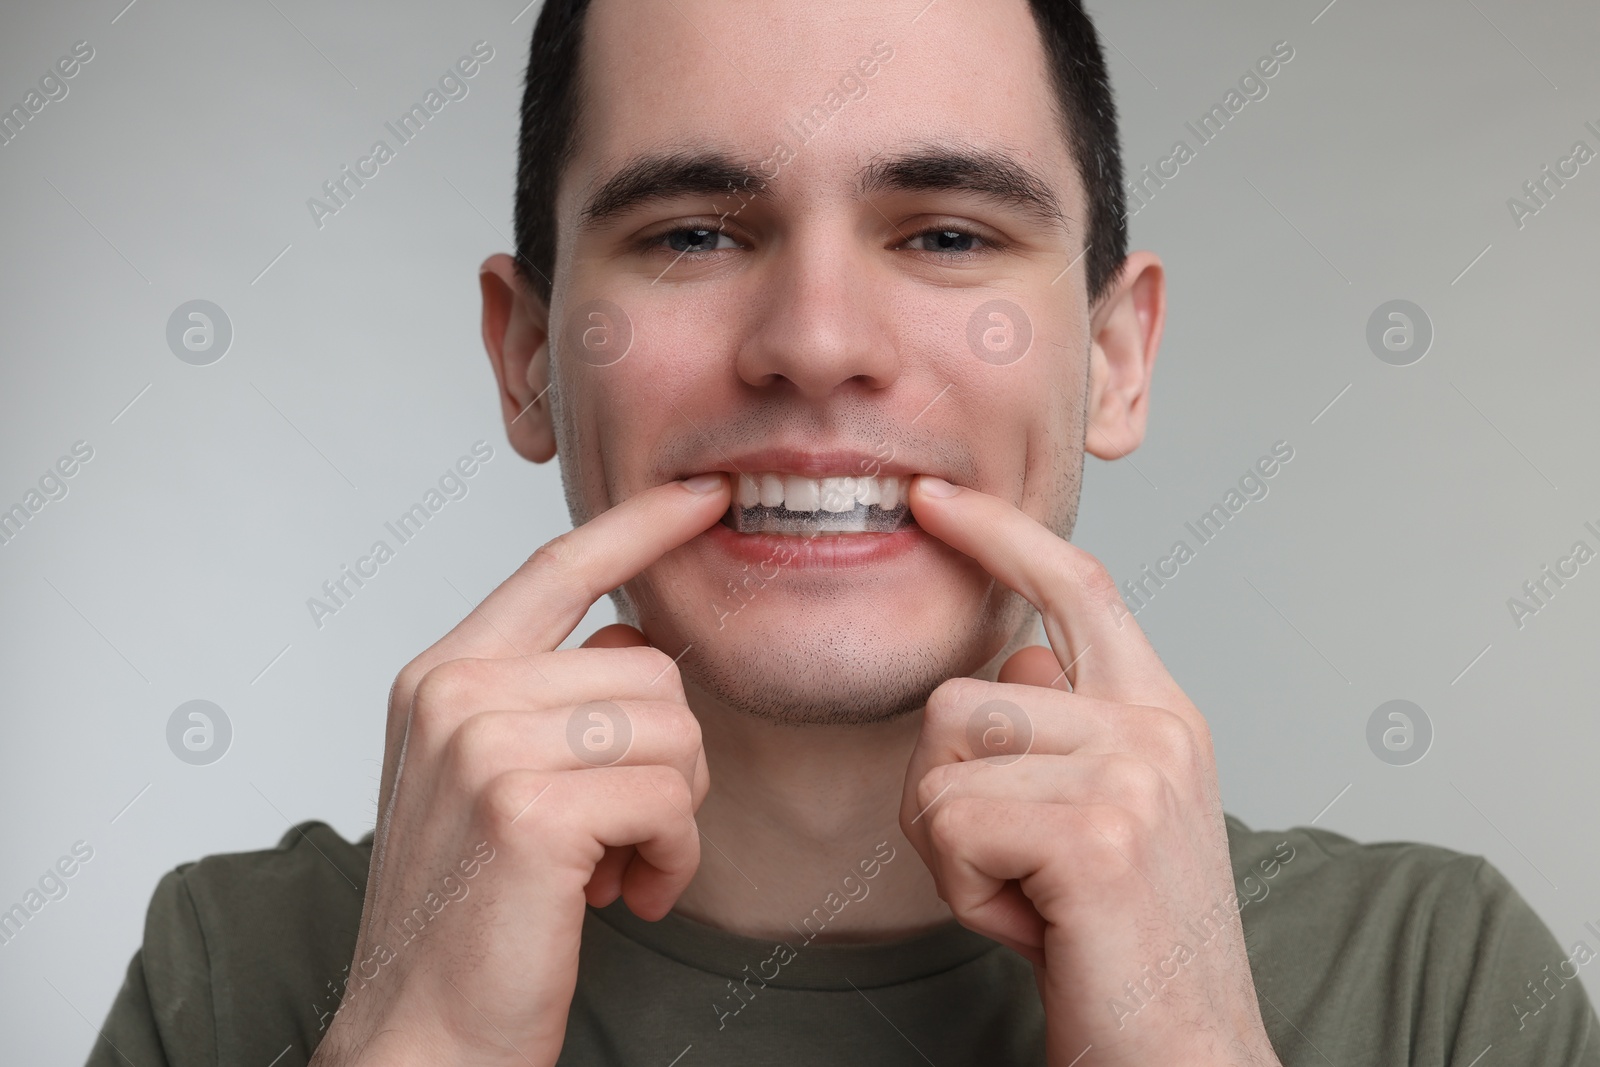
(823, 320)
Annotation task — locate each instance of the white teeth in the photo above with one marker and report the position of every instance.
(796, 506)
(834, 495)
(839, 494)
(800, 494)
(891, 494)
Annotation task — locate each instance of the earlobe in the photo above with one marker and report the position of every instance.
(1126, 326)
(515, 335)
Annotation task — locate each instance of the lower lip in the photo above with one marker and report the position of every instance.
(823, 552)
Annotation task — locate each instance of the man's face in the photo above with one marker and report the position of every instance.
(827, 329)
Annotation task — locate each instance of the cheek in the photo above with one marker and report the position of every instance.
(621, 425)
(607, 429)
(1052, 463)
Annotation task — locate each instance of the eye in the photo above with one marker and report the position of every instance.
(948, 242)
(689, 240)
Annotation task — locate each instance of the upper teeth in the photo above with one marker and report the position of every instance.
(797, 493)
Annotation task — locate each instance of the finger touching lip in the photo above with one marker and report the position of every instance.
(544, 599)
(1093, 635)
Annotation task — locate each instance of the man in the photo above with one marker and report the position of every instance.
(787, 275)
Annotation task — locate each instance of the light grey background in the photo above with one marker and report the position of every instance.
(178, 566)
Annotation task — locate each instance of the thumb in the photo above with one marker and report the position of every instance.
(1034, 665)
(617, 635)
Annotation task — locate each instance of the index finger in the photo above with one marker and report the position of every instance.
(537, 607)
(1101, 650)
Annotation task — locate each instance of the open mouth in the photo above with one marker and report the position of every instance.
(768, 503)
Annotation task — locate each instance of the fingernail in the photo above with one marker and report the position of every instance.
(702, 483)
(935, 486)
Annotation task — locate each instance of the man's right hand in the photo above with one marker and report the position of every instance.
(477, 750)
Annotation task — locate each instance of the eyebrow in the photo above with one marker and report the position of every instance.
(924, 168)
(965, 169)
(668, 176)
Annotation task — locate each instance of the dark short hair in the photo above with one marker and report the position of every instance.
(1088, 115)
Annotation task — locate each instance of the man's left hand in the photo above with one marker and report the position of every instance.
(1083, 828)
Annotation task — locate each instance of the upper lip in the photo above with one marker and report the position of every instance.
(833, 463)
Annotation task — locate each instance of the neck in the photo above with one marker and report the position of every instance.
(793, 814)
(803, 822)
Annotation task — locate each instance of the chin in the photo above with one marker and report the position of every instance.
(837, 656)
(834, 680)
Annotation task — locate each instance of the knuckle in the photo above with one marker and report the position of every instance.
(679, 727)
(650, 663)
(1090, 575)
(951, 822)
(406, 682)
(1175, 735)
(403, 693)
(439, 698)
(444, 685)
(505, 798)
(952, 700)
(933, 784)
(1135, 781)
(654, 780)
(1118, 829)
(471, 745)
(1198, 731)
(674, 787)
(559, 555)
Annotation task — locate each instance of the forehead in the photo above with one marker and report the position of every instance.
(752, 75)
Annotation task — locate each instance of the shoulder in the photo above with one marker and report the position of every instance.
(1432, 947)
(245, 949)
(1337, 864)
(1329, 886)
(276, 914)
(1324, 882)
(1330, 893)
(311, 865)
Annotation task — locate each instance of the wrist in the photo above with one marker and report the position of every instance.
(351, 1043)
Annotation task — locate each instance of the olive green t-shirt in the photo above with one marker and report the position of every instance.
(1363, 955)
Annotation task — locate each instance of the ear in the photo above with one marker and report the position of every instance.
(1126, 326)
(516, 336)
